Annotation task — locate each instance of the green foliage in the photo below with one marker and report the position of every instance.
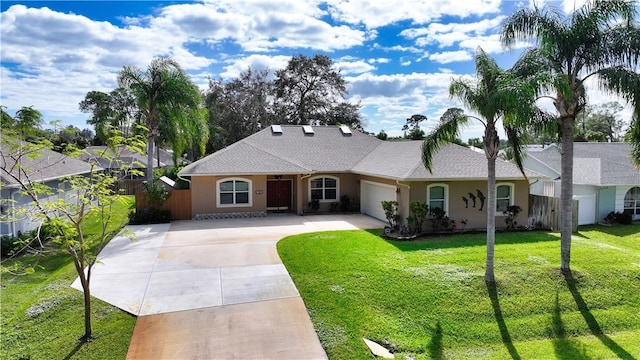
(149, 216)
(512, 213)
(616, 217)
(87, 195)
(429, 299)
(42, 316)
(439, 220)
(419, 212)
(156, 195)
(382, 135)
(391, 213)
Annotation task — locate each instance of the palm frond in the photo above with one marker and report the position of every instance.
(446, 132)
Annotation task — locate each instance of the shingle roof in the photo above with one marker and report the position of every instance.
(41, 165)
(595, 163)
(328, 150)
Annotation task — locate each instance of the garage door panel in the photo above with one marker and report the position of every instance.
(371, 197)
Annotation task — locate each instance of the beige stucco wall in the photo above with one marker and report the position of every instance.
(203, 190)
(476, 219)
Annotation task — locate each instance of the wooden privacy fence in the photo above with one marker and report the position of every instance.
(129, 187)
(544, 212)
(179, 204)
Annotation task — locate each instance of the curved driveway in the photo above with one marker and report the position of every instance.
(214, 289)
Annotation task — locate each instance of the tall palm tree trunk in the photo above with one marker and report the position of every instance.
(491, 146)
(566, 194)
(489, 275)
(150, 142)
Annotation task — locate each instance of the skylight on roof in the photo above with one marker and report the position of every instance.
(345, 130)
(308, 130)
(276, 129)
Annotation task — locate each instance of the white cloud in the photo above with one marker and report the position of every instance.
(354, 67)
(260, 62)
(450, 56)
(379, 13)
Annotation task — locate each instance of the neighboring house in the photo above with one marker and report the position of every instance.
(45, 166)
(604, 178)
(287, 167)
(129, 159)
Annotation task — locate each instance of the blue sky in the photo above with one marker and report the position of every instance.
(397, 57)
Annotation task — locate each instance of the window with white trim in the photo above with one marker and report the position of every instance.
(324, 188)
(233, 192)
(438, 197)
(632, 201)
(504, 197)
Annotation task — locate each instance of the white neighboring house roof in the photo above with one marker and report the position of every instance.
(41, 165)
(330, 149)
(599, 164)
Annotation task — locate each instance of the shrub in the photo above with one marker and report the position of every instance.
(345, 203)
(155, 194)
(149, 216)
(419, 213)
(439, 219)
(512, 213)
(391, 212)
(619, 218)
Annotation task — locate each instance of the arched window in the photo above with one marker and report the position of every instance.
(324, 188)
(632, 201)
(438, 197)
(233, 192)
(504, 197)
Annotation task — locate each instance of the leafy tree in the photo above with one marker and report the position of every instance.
(600, 40)
(495, 95)
(6, 121)
(599, 123)
(99, 105)
(310, 91)
(89, 194)
(28, 121)
(382, 135)
(475, 142)
(168, 102)
(239, 108)
(413, 126)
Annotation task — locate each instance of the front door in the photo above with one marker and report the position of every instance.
(278, 194)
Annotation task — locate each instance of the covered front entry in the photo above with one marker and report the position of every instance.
(371, 196)
(279, 194)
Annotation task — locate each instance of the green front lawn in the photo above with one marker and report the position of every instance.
(43, 317)
(427, 299)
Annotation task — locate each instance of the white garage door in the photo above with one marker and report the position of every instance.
(371, 196)
(586, 209)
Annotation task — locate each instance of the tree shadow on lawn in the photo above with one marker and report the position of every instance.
(460, 240)
(565, 347)
(594, 327)
(435, 345)
(497, 311)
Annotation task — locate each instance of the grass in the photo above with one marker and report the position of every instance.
(427, 299)
(42, 316)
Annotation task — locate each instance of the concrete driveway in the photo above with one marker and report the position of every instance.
(214, 289)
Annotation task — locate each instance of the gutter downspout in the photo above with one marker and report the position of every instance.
(302, 177)
(185, 179)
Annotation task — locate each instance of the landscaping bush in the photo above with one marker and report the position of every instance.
(149, 216)
(619, 218)
(8, 245)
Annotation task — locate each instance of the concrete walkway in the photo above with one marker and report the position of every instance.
(213, 289)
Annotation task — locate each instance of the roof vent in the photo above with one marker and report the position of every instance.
(345, 130)
(276, 129)
(308, 130)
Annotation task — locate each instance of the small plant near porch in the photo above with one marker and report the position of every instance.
(391, 212)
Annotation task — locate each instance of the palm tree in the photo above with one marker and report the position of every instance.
(166, 99)
(600, 40)
(495, 95)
